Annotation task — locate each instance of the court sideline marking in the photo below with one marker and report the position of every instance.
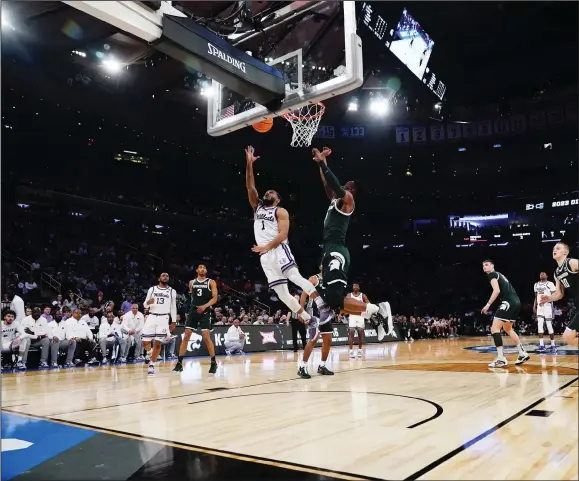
(215, 452)
(483, 435)
(438, 407)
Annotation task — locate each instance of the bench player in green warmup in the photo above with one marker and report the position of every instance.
(335, 265)
(566, 285)
(203, 295)
(505, 315)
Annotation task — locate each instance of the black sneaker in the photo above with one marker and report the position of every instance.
(303, 373)
(324, 371)
(178, 367)
(523, 358)
(213, 368)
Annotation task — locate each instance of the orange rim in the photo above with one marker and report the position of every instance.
(307, 117)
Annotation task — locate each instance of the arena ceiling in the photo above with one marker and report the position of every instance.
(493, 51)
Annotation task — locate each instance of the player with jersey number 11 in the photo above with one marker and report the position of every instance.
(505, 315)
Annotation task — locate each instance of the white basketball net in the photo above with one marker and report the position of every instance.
(304, 122)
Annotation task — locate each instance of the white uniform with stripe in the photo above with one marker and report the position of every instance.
(278, 261)
(544, 312)
(356, 322)
(165, 305)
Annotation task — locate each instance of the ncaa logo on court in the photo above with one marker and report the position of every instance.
(268, 337)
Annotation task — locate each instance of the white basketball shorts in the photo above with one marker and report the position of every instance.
(545, 311)
(156, 327)
(356, 322)
(276, 263)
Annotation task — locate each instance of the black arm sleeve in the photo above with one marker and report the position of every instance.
(333, 181)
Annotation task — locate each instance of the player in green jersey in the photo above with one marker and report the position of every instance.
(505, 315)
(566, 285)
(335, 265)
(203, 294)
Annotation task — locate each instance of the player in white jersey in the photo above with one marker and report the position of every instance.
(14, 339)
(271, 229)
(356, 323)
(544, 311)
(160, 303)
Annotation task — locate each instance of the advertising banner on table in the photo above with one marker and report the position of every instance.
(268, 337)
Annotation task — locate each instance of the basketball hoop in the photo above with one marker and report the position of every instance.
(304, 122)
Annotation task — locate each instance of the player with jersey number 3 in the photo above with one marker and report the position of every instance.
(271, 228)
(566, 285)
(505, 315)
(203, 295)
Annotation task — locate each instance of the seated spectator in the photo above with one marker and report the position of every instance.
(90, 319)
(59, 342)
(47, 314)
(234, 339)
(37, 328)
(245, 321)
(259, 321)
(126, 306)
(58, 303)
(131, 326)
(79, 330)
(31, 288)
(111, 336)
(14, 339)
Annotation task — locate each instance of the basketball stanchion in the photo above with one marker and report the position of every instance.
(305, 122)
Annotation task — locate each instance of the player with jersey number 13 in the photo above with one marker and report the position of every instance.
(505, 315)
(161, 309)
(544, 311)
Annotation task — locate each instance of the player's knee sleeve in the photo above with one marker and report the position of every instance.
(550, 327)
(293, 274)
(284, 296)
(498, 339)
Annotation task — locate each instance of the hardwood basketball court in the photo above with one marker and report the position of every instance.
(423, 410)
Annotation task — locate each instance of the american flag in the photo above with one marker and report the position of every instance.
(228, 112)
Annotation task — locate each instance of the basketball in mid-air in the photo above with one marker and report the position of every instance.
(263, 126)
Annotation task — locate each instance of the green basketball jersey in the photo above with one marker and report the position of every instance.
(507, 290)
(336, 224)
(200, 293)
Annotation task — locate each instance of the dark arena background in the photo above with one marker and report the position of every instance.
(123, 132)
